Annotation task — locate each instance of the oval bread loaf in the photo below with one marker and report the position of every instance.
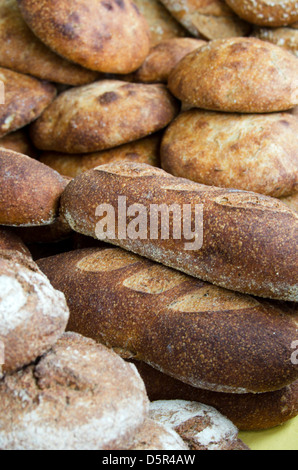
(282, 37)
(241, 241)
(174, 322)
(241, 75)
(266, 12)
(251, 152)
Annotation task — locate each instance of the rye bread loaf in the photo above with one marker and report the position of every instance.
(156, 436)
(174, 322)
(78, 396)
(241, 75)
(266, 12)
(29, 191)
(248, 412)
(25, 98)
(20, 142)
(246, 242)
(103, 115)
(282, 37)
(23, 52)
(291, 202)
(212, 19)
(105, 36)
(250, 152)
(200, 426)
(33, 315)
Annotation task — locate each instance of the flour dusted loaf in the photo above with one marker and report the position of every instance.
(249, 240)
(250, 152)
(78, 396)
(103, 115)
(174, 322)
(211, 20)
(106, 36)
(201, 426)
(156, 436)
(29, 191)
(266, 12)
(242, 75)
(282, 37)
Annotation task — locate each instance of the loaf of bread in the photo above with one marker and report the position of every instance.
(249, 240)
(248, 411)
(19, 142)
(291, 202)
(241, 75)
(10, 242)
(201, 427)
(78, 396)
(29, 190)
(103, 115)
(156, 436)
(174, 322)
(282, 37)
(251, 152)
(266, 13)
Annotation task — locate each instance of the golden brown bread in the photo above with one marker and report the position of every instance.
(242, 75)
(266, 12)
(249, 240)
(103, 115)
(22, 51)
(173, 322)
(106, 36)
(211, 19)
(291, 202)
(20, 142)
(249, 412)
(25, 100)
(29, 191)
(282, 37)
(141, 151)
(161, 23)
(250, 152)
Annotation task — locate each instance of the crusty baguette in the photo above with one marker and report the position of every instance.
(250, 240)
(205, 336)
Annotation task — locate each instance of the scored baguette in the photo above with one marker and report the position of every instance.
(249, 240)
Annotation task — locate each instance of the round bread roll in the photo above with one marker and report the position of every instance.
(79, 396)
(19, 142)
(212, 19)
(142, 151)
(252, 152)
(200, 426)
(266, 12)
(164, 57)
(22, 51)
(105, 36)
(24, 100)
(241, 75)
(162, 25)
(33, 315)
(291, 201)
(286, 38)
(103, 115)
(29, 191)
(156, 436)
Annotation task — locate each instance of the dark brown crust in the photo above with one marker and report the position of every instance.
(250, 240)
(247, 76)
(10, 242)
(131, 304)
(29, 191)
(109, 36)
(20, 142)
(266, 13)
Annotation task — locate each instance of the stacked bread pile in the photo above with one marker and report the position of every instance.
(147, 344)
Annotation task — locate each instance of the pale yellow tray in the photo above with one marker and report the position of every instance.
(280, 438)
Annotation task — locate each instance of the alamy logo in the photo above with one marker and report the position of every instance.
(2, 93)
(158, 222)
(294, 356)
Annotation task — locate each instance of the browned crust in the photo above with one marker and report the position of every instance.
(29, 191)
(266, 13)
(109, 36)
(286, 38)
(128, 303)
(155, 436)
(291, 202)
(250, 240)
(20, 142)
(103, 115)
(10, 242)
(249, 152)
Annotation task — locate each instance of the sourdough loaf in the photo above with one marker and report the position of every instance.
(249, 241)
(146, 311)
(266, 12)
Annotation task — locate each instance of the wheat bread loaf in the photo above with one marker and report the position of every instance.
(20, 142)
(201, 427)
(78, 396)
(266, 12)
(286, 38)
(250, 152)
(105, 36)
(103, 115)
(212, 19)
(24, 100)
(291, 202)
(29, 191)
(241, 75)
(156, 436)
(240, 240)
(174, 322)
